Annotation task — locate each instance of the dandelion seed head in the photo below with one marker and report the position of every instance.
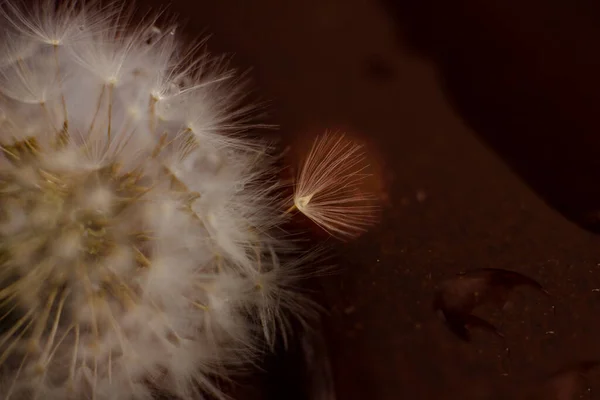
(302, 202)
(135, 246)
(328, 188)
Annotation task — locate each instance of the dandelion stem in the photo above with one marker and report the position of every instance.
(62, 93)
(111, 88)
(98, 106)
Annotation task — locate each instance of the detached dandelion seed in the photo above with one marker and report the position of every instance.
(328, 187)
(138, 252)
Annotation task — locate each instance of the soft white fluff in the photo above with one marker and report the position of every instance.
(134, 236)
(328, 187)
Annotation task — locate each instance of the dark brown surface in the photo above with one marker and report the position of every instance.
(524, 75)
(454, 202)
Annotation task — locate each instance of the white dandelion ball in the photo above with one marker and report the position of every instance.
(136, 254)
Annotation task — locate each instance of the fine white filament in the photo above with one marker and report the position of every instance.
(328, 187)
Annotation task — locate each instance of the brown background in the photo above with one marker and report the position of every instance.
(482, 118)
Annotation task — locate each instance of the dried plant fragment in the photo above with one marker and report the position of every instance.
(457, 298)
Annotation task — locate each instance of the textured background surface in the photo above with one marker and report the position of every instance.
(480, 143)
